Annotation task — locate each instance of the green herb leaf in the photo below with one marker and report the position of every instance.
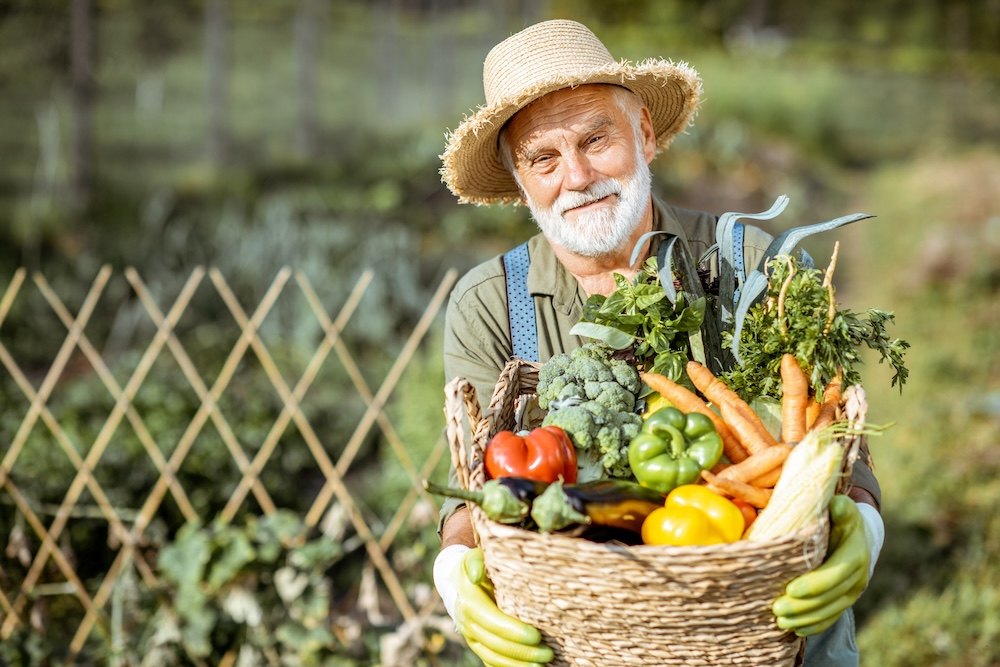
(690, 318)
(640, 317)
(615, 338)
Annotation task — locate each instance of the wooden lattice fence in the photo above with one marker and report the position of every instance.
(49, 571)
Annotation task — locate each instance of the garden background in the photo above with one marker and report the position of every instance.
(223, 249)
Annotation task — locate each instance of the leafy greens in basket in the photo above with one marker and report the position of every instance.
(639, 320)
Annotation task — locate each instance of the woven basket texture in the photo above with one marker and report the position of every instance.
(608, 604)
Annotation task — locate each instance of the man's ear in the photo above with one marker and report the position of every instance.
(648, 135)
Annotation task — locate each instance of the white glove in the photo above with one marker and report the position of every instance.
(874, 531)
(446, 564)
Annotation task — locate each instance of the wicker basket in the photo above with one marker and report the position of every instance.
(607, 604)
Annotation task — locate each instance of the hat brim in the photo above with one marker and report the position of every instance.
(471, 165)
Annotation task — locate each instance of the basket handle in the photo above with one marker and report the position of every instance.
(461, 404)
(518, 377)
(855, 409)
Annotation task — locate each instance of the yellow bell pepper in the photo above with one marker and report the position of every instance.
(654, 402)
(693, 515)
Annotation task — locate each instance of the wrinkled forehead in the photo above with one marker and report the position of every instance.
(569, 110)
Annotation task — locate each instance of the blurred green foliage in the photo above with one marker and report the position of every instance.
(934, 590)
(275, 593)
(843, 105)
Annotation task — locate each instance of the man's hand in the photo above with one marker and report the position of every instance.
(498, 639)
(813, 601)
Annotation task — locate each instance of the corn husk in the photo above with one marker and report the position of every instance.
(803, 492)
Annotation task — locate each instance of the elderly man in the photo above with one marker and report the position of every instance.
(570, 132)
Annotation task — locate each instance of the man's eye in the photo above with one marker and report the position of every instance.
(594, 139)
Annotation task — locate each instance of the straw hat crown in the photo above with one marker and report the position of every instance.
(540, 59)
(539, 53)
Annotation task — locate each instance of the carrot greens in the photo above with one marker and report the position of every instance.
(799, 315)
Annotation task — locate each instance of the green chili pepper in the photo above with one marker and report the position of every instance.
(672, 448)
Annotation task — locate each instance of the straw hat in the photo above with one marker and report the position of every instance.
(540, 59)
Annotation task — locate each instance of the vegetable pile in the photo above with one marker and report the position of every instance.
(659, 449)
(693, 479)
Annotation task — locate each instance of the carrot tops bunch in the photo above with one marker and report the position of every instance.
(800, 316)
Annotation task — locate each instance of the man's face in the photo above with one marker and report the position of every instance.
(583, 168)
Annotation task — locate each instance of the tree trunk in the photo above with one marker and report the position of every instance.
(387, 61)
(493, 18)
(82, 93)
(217, 66)
(442, 46)
(533, 11)
(307, 42)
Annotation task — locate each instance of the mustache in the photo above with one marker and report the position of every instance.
(593, 193)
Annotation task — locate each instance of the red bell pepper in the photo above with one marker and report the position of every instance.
(545, 454)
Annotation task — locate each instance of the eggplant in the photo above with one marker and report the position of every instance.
(612, 503)
(504, 499)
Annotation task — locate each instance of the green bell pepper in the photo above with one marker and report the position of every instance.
(672, 448)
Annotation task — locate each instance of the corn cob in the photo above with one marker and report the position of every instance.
(808, 480)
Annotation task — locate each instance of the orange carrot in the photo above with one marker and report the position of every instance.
(751, 494)
(716, 391)
(757, 464)
(720, 466)
(794, 398)
(752, 438)
(831, 401)
(687, 401)
(716, 489)
(812, 411)
(768, 479)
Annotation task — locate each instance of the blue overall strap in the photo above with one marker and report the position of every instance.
(741, 273)
(520, 305)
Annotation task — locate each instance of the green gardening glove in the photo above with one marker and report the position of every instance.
(813, 601)
(498, 639)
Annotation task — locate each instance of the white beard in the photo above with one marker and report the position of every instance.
(603, 231)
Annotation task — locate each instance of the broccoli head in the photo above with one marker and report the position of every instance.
(614, 457)
(601, 429)
(611, 395)
(601, 437)
(592, 397)
(556, 366)
(590, 369)
(580, 423)
(589, 363)
(626, 376)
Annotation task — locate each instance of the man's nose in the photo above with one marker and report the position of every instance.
(580, 173)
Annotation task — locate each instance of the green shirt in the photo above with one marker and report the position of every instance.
(477, 340)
